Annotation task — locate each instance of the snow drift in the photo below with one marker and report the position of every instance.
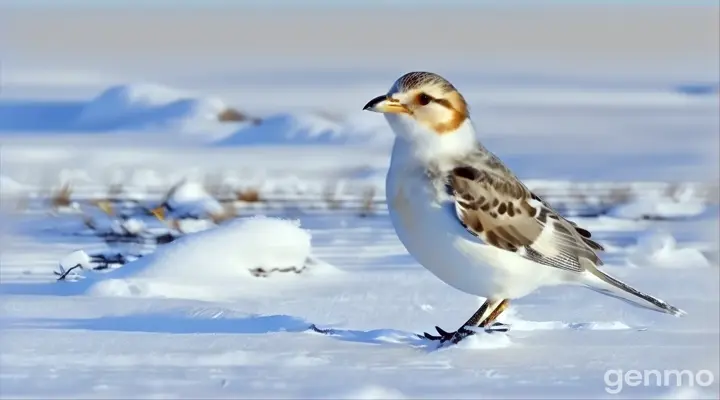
(152, 106)
(660, 250)
(309, 128)
(12, 192)
(217, 263)
(149, 106)
(657, 205)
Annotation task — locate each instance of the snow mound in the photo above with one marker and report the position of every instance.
(307, 128)
(10, 186)
(217, 263)
(188, 190)
(189, 198)
(151, 106)
(659, 249)
(654, 205)
(11, 190)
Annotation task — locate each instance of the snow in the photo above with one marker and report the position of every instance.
(151, 106)
(190, 197)
(77, 257)
(660, 250)
(11, 191)
(659, 205)
(214, 264)
(630, 158)
(10, 186)
(307, 128)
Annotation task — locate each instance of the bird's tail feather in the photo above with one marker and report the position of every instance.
(610, 286)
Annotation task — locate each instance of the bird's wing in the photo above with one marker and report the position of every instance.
(500, 210)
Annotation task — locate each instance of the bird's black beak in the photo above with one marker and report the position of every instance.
(384, 104)
(372, 104)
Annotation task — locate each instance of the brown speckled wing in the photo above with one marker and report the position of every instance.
(503, 213)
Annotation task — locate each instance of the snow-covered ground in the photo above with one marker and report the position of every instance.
(630, 154)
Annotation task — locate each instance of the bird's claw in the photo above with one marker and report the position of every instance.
(444, 336)
(455, 337)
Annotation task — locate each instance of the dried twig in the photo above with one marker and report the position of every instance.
(330, 197)
(248, 195)
(368, 202)
(61, 197)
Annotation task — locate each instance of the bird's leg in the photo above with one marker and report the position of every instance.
(490, 320)
(483, 313)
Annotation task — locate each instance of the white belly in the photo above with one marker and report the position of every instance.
(435, 238)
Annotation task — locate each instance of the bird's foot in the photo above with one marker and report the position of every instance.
(462, 333)
(444, 336)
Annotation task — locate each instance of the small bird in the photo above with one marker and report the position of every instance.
(464, 215)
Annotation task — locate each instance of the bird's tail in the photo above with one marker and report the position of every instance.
(603, 283)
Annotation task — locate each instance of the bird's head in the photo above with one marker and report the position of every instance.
(426, 98)
(425, 109)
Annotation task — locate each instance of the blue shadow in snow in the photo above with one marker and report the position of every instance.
(39, 116)
(51, 288)
(376, 336)
(698, 89)
(250, 325)
(160, 323)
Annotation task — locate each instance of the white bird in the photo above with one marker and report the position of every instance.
(463, 215)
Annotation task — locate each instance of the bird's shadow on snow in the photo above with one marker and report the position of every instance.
(279, 323)
(184, 324)
(373, 336)
(248, 325)
(487, 340)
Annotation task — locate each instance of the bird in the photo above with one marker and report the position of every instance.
(467, 218)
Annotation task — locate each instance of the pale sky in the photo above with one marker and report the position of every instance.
(334, 3)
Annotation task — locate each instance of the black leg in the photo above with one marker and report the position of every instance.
(462, 332)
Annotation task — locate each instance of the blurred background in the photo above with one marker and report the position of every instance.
(267, 94)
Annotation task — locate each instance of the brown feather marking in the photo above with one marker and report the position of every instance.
(468, 173)
(542, 217)
(499, 223)
(502, 208)
(459, 109)
(583, 232)
(528, 207)
(491, 213)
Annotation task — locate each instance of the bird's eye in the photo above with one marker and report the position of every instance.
(423, 99)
